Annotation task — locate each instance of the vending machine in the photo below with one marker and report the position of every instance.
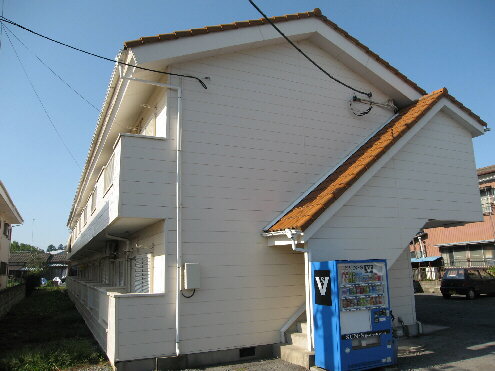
(351, 315)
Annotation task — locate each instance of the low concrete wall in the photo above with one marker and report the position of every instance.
(429, 286)
(10, 297)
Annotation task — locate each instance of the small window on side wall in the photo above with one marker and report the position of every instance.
(161, 122)
(108, 174)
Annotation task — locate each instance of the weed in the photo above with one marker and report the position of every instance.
(46, 333)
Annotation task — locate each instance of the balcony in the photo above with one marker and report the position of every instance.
(135, 189)
(127, 326)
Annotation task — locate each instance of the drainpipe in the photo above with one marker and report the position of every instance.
(178, 198)
(127, 251)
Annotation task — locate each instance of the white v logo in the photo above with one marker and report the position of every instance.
(322, 283)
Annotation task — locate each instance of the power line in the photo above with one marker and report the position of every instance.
(52, 71)
(41, 102)
(304, 54)
(3, 19)
(1, 25)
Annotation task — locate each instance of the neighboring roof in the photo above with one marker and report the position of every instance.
(8, 208)
(316, 13)
(59, 257)
(26, 256)
(486, 170)
(462, 233)
(426, 259)
(310, 207)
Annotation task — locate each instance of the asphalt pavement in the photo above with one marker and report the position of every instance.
(467, 342)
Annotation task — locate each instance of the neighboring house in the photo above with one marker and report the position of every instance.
(463, 244)
(8, 217)
(54, 264)
(199, 210)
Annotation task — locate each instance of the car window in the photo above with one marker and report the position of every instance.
(485, 275)
(451, 274)
(473, 274)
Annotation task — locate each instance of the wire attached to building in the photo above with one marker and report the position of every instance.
(6, 20)
(51, 70)
(41, 102)
(188, 296)
(369, 95)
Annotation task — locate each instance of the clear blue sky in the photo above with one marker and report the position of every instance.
(435, 43)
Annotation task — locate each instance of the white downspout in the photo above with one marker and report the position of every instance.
(178, 198)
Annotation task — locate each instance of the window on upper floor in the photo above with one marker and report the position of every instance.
(108, 174)
(161, 121)
(85, 215)
(93, 199)
(487, 195)
(150, 127)
(7, 230)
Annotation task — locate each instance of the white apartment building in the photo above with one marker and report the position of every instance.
(199, 210)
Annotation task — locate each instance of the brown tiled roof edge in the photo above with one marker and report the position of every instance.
(302, 215)
(257, 22)
(486, 170)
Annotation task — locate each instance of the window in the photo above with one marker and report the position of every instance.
(7, 230)
(487, 199)
(93, 200)
(474, 275)
(3, 269)
(85, 216)
(485, 275)
(150, 127)
(108, 174)
(451, 274)
(161, 122)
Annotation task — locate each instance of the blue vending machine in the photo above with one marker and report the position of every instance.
(351, 315)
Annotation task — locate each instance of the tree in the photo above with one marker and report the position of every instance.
(51, 248)
(20, 247)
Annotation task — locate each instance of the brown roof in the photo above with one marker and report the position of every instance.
(26, 256)
(486, 170)
(316, 13)
(330, 189)
(461, 232)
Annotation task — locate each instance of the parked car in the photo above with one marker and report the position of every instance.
(467, 281)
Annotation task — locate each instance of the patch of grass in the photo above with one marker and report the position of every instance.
(45, 332)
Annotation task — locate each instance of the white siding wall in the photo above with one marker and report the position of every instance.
(147, 178)
(432, 177)
(266, 129)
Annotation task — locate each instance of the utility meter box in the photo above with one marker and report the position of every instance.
(192, 276)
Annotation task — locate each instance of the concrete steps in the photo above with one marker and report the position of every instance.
(296, 350)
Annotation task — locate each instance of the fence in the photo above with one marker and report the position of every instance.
(10, 297)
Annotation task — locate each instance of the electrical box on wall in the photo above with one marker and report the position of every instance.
(192, 276)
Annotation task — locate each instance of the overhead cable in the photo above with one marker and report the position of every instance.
(41, 102)
(3, 19)
(369, 95)
(51, 70)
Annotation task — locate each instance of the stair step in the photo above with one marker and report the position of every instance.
(296, 355)
(298, 338)
(302, 327)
